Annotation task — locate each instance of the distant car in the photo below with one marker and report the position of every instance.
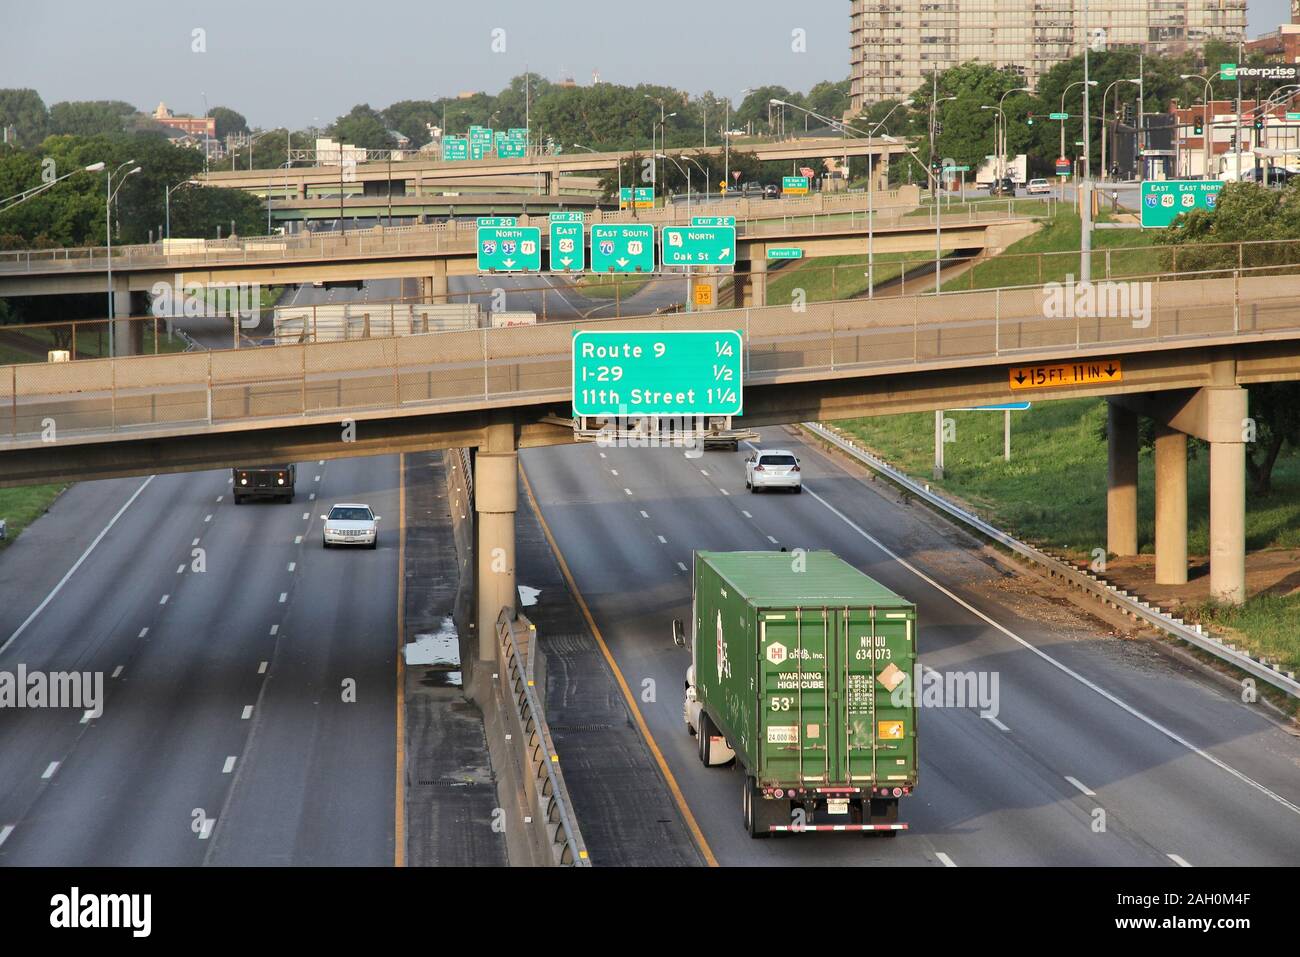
(771, 191)
(263, 481)
(1038, 186)
(1005, 186)
(350, 523)
(752, 189)
(776, 468)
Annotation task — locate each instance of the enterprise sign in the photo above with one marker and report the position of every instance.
(1231, 71)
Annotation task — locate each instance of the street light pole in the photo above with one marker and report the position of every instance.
(109, 193)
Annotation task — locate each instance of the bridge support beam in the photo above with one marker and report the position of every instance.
(495, 501)
(756, 284)
(1121, 479)
(1171, 506)
(1225, 413)
(433, 289)
(128, 337)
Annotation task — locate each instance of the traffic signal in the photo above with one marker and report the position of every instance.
(1129, 114)
(1199, 126)
(1259, 122)
(938, 128)
(1031, 119)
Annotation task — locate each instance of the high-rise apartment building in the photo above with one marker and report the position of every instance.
(897, 44)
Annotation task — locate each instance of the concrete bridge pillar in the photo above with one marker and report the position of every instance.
(1171, 506)
(1121, 479)
(495, 501)
(553, 181)
(434, 288)
(757, 284)
(1226, 410)
(128, 337)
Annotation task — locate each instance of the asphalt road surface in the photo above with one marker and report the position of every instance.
(225, 737)
(1102, 751)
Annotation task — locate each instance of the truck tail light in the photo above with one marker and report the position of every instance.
(898, 792)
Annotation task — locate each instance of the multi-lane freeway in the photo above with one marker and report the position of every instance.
(1102, 751)
(228, 639)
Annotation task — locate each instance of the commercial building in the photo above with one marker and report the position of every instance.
(896, 45)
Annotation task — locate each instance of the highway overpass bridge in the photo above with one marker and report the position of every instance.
(497, 390)
(429, 207)
(420, 174)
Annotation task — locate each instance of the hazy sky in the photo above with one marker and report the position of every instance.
(302, 63)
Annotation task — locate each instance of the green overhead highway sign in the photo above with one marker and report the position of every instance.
(790, 252)
(794, 184)
(483, 221)
(454, 148)
(657, 373)
(622, 247)
(698, 246)
(642, 196)
(713, 220)
(509, 249)
(1163, 200)
(568, 251)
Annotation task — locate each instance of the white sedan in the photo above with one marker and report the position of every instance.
(1038, 186)
(350, 523)
(773, 469)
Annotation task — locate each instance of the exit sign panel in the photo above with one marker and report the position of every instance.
(657, 373)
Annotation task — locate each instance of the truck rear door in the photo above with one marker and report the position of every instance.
(875, 653)
(795, 707)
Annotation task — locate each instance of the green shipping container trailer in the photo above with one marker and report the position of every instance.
(802, 672)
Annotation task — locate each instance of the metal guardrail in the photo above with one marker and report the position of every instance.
(545, 786)
(471, 369)
(1087, 581)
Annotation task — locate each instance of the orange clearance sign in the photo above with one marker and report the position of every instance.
(1092, 372)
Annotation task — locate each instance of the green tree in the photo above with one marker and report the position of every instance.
(411, 118)
(363, 127)
(25, 111)
(228, 121)
(89, 117)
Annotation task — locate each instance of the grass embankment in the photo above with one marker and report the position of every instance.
(611, 287)
(19, 507)
(836, 277)
(1053, 493)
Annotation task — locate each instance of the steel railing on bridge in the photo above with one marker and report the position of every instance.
(480, 368)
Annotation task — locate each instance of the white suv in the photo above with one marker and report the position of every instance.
(350, 523)
(773, 469)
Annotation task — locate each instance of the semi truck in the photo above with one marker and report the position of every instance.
(802, 671)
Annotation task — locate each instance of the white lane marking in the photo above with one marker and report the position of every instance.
(773, 540)
(703, 472)
(206, 831)
(613, 472)
(643, 514)
(261, 669)
(229, 765)
(1083, 788)
(77, 564)
(316, 479)
(1179, 861)
(995, 722)
(5, 832)
(311, 497)
(163, 601)
(86, 716)
(274, 629)
(49, 772)
(602, 454)
(305, 516)
(944, 859)
(116, 671)
(143, 632)
(321, 462)
(292, 566)
(724, 491)
(297, 539)
(681, 566)
(207, 518)
(180, 569)
(193, 543)
(1064, 669)
(662, 540)
(248, 712)
(628, 491)
(220, 497)
(745, 513)
(284, 596)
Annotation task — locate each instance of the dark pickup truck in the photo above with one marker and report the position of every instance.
(264, 481)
